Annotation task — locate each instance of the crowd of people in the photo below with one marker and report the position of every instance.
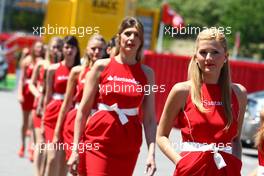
(76, 125)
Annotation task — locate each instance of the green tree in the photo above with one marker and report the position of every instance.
(25, 20)
(242, 16)
(246, 17)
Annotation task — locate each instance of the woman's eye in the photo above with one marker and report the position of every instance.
(211, 52)
(214, 52)
(99, 49)
(127, 34)
(203, 52)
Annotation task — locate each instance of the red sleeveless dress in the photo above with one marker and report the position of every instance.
(260, 162)
(40, 83)
(208, 128)
(68, 127)
(27, 104)
(52, 110)
(261, 158)
(115, 145)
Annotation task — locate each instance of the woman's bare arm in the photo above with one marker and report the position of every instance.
(174, 104)
(33, 83)
(241, 94)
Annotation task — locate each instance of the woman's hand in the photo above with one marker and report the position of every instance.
(39, 109)
(56, 138)
(42, 132)
(150, 165)
(177, 160)
(20, 98)
(73, 163)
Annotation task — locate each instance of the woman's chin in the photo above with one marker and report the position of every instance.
(130, 51)
(209, 71)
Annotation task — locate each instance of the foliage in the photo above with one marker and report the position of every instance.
(242, 16)
(25, 20)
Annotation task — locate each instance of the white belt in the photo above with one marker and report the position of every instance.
(122, 113)
(195, 147)
(260, 171)
(40, 88)
(27, 81)
(57, 96)
(78, 104)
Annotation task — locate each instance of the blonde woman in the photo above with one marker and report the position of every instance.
(25, 97)
(210, 111)
(259, 144)
(36, 87)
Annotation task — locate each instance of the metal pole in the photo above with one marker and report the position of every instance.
(160, 38)
(2, 9)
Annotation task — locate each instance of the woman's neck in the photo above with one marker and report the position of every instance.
(67, 63)
(210, 78)
(126, 59)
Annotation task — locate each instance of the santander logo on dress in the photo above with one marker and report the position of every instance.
(207, 103)
(210, 103)
(62, 77)
(129, 80)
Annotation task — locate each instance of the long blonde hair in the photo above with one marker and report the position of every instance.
(59, 43)
(260, 134)
(96, 37)
(224, 80)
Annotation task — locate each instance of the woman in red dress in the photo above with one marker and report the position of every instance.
(65, 122)
(53, 53)
(259, 141)
(111, 48)
(25, 97)
(210, 111)
(57, 77)
(113, 134)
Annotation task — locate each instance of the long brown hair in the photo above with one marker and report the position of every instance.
(130, 22)
(224, 80)
(73, 41)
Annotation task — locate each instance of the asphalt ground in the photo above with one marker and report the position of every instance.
(12, 165)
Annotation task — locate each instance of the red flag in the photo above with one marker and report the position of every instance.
(170, 17)
(166, 14)
(177, 21)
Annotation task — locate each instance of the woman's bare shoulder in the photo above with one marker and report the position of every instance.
(100, 64)
(182, 87)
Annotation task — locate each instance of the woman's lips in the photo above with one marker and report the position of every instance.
(131, 45)
(209, 65)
